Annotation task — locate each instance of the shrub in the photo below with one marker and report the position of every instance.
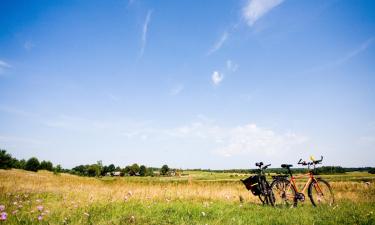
(32, 164)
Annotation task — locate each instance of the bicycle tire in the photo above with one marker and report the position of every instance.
(284, 193)
(321, 195)
(265, 197)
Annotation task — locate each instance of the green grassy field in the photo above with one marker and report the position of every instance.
(197, 198)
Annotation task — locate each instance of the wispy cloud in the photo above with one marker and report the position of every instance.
(248, 139)
(245, 139)
(217, 77)
(113, 97)
(219, 43)
(15, 111)
(176, 90)
(144, 32)
(364, 46)
(255, 9)
(347, 57)
(231, 66)
(3, 66)
(28, 45)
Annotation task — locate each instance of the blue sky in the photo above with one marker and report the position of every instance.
(193, 85)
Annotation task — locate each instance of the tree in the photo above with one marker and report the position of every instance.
(164, 170)
(150, 172)
(58, 168)
(142, 171)
(46, 165)
(21, 164)
(5, 160)
(111, 168)
(134, 169)
(32, 164)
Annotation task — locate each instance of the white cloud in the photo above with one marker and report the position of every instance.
(219, 43)
(231, 66)
(217, 77)
(3, 66)
(144, 32)
(230, 141)
(247, 139)
(255, 9)
(176, 90)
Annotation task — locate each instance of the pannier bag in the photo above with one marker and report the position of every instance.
(252, 184)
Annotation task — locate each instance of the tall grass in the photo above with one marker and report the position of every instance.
(196, 199)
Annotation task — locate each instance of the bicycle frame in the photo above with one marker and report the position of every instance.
(310, 174)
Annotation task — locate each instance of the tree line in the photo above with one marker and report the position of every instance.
(92, 170)
(98, 169)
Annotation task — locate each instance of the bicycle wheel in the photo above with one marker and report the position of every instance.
(265, 196)
(283, 193)
(320, 193)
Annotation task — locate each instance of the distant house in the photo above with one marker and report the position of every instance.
(116, 173)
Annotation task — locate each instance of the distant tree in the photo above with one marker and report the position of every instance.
(111, 168)
(46, 165)
(371, 170)
(150, 172)
(142, 171)
(58, 168)
(5, 160)
(32, 164)
(126, 170)
(134, 169)
(164, 170)
(21, 164)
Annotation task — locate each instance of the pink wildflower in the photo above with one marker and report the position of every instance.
(40, 217)
(15, 212)
(3, 216)
(2, 208)
(40, 207)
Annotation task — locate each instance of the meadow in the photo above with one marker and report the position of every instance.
(194, 198)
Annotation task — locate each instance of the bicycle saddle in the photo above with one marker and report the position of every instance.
(286, 165)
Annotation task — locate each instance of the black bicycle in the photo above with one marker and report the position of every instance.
(259, 186)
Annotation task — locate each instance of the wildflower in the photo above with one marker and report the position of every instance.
(130, 193)
(132, 219)
(86, 214)
(15, 203)
(3, 216)
(2, 208)
(38, 200)
(40, 207)
(46, 211)
(40, 217)
(15, 212)
(203, 214)
(20, 206)
(126, 198)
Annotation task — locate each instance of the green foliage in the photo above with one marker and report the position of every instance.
(134, 169)
(46, 165)
(5, 160)
(164, 170)
(32, 164)
(142, 171)
(372, 170)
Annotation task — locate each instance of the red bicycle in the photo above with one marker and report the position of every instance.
(287, 193)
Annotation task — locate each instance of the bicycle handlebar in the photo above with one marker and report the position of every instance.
(313, 162)
(260, 164)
